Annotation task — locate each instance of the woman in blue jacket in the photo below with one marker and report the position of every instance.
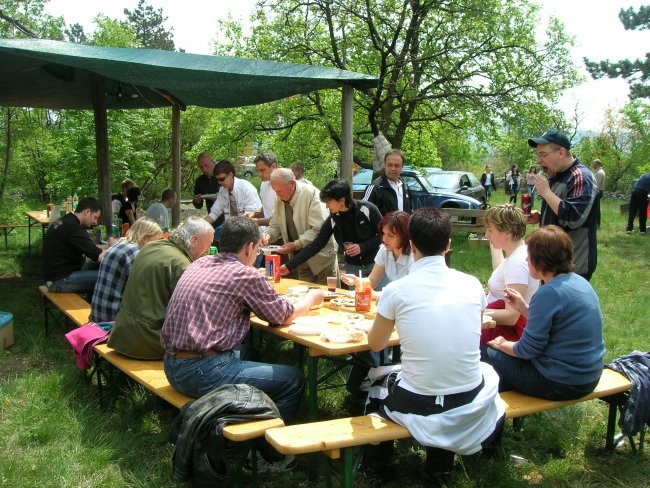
(560, 354)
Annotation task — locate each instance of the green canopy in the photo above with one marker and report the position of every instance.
(63, 75)
(56, 74)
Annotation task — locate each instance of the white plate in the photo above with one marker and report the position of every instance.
(343, 302)
(298, 290)
(270, 248)
(308, 325)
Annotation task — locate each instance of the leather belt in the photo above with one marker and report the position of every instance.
(191, 354)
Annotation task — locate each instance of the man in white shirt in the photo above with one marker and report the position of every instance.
(444, 395)
(265, 162)
(235, 197)
(159, 211)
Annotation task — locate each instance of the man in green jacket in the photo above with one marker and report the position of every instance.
(153, 277)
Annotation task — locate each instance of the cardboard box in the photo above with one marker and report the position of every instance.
(6, 330)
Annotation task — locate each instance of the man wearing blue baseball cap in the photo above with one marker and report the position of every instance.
(569, 197)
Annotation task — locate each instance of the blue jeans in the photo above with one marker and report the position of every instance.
(521, 375)
(77, 282)
(195, 377)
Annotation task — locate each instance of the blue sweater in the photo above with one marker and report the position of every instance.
(564, 335)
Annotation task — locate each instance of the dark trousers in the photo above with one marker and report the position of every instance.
(638, 204)
(521, 375)
(438, 461)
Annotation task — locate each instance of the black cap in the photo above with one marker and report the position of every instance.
(551, 136)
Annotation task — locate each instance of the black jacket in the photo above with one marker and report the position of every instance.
(384, 197)
(200, 455)
(636, 368)
(366, 218)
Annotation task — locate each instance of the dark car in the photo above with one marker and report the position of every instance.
(461, 182)
(246, 170)
(420, 190)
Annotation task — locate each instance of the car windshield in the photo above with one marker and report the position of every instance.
(363, 177)
(443, 180)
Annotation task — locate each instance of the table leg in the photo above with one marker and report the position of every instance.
(29, 235)
(312, 386)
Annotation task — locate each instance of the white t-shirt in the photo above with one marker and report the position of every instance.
(512, 271)
(245, 195)
(158, 212)
(268, 197)
(437, 312)
(394, 270)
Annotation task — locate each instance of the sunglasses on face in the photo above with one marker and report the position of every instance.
(222, 179)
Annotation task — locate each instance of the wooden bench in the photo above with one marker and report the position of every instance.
(8, 228)
(336, 437)
(75, 309)
(467, 220)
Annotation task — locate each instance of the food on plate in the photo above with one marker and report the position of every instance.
(342, 335)
(343, 302)
(295, 297)
(488, 321)
(344, 318)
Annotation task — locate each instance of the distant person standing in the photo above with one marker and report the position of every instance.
(599, 174)
(512, 181)
(569, 197)
(129, 212)
(235, 197)
(530, 183)
(299, 172)
(639, 203)
(388, 192)
(206, 183)
(158, 212)
(119, 199)
(487, 180)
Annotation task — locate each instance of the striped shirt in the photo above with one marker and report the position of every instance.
(111, 280)
(211, 305)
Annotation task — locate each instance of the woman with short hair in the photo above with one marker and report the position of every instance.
(505, 226)
(560, 354)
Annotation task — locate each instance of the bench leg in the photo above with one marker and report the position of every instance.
(610, 443)
(347, 476)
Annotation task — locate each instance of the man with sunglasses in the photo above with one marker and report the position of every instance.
(235, 197)
(569, 197)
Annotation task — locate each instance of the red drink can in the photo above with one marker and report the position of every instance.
(525, 203)
(272, 266)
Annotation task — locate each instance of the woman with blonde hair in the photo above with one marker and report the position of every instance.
(115, 267)
(505, 226)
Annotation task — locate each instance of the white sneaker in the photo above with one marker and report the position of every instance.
(287, 463)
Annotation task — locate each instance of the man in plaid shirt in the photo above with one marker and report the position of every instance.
(208, 318)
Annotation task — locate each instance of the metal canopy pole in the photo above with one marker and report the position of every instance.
(176, 163)
(346, 133)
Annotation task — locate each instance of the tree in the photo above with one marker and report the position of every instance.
(148, 26)
(635, 72)
(458, 64)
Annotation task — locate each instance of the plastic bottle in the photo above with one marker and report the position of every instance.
(75, 202)
(363, 292)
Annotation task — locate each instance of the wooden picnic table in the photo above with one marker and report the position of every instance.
(36, 217)
(316, 347)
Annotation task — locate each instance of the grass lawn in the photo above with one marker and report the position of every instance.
(53, 434)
